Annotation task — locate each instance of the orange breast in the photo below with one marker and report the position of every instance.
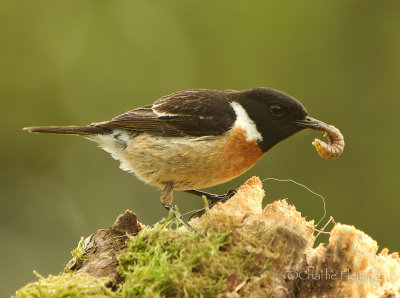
(239, 156)
(191, 164)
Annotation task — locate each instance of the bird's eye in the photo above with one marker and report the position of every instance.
(276, 110)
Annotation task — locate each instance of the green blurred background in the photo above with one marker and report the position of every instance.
(75, 62)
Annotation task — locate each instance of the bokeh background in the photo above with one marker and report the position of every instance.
(75, 62)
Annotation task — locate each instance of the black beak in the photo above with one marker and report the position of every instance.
(309, 122)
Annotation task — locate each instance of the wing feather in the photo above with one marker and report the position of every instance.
(185, 113)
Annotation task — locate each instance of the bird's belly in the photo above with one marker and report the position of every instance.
(190, 163)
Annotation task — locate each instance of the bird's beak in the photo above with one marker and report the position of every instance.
(309, 122)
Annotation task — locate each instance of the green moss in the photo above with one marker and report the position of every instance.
(166, 262)
(78, 256)
(78, 252)
(221, 257)
(66, 285)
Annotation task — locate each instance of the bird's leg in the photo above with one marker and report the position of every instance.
(214, 199)
(166, 201)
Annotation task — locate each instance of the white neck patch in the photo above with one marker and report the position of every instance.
(243, 121)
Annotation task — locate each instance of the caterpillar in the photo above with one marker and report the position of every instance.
(336, 142)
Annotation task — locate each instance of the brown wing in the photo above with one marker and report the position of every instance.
(191, 112)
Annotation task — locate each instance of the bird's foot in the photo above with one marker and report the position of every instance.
(179, 217)
(213, 199)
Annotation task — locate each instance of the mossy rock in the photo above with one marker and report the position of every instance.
(165, 262)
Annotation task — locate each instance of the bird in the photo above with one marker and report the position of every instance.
(196, 138)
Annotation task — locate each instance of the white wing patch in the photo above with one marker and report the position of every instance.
(161, 114)
(245, 122)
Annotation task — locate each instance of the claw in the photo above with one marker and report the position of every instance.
(179, 217)
(214, 199)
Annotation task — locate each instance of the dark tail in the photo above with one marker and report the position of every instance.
(70, 130)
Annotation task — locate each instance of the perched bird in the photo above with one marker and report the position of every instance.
(196, 138)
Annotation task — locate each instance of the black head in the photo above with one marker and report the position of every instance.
(275, 114)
